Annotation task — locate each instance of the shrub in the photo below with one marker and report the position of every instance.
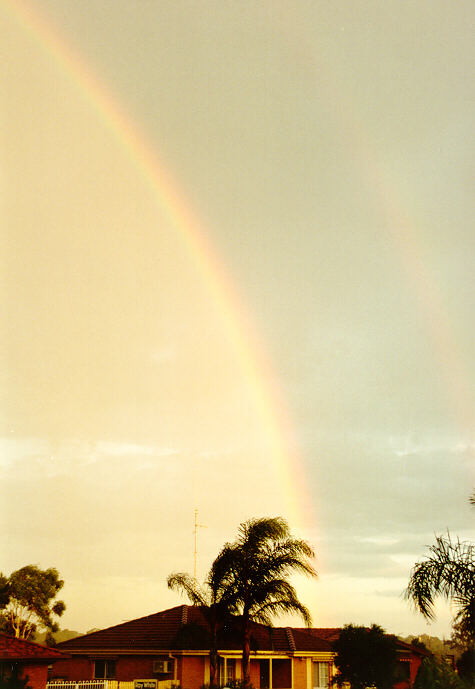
(434, 674)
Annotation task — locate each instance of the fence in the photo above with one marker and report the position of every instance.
(89, 684)
(108, 684)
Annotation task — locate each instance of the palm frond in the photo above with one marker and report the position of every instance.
(280, 606)
(183, 583)
(448, 571)
(257, 531)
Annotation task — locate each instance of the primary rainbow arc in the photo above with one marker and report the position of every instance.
(237, 324)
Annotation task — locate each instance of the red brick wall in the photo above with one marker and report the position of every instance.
(130, 668)
(255, 673)
(73, 668)
(414, 665)
(192, 675)
(37, 675)
(179, 669)
(300, 673)
(140, 667)
(127, 668)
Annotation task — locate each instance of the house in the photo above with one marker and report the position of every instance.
(28, 659)
(410, 659)
(172, 647)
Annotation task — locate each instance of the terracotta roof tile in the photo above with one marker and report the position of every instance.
(19, 649)
(166, 630)
(306, 640)
(151, 632)
(326, 633)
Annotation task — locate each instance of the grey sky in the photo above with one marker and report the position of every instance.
(326, 148)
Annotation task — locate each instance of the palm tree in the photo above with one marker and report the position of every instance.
(212, 598)
(449, 571)
(256, 569)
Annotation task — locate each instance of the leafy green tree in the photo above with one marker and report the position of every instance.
(214, 599)
(14, 681)
(256, 568)
(435, 674)
(4, 591)
(30, 604)
(365, 657)
(460, 639)
(448, 571)
(466, 666)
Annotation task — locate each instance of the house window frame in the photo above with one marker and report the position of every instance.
(229, 670)
(110, 668)
(275, 673)
(269, 672)
(316, 674)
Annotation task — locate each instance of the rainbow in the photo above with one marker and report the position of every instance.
(237, 323)
(241, 332)
(403, 229)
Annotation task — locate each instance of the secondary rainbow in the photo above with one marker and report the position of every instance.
(400, 225)
(237, 323)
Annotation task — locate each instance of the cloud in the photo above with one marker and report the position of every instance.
(379, 540)
(117, 449)
(108, 506)
(412, 448)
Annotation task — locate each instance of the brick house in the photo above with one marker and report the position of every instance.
(171, 647)
(29, 659)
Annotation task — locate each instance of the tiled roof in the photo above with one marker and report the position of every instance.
(329, 634)
(166, 630)
(151, 632)
(19, 649)
(306, 640)
(410, 648)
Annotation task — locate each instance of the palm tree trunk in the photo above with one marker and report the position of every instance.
(213, 662)
(213, 651)
(246, 649)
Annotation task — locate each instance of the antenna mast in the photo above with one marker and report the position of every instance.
(195, 531)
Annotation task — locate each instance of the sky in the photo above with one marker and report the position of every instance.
(236, 277)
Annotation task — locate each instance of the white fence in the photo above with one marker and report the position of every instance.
(90, 684)
(107, 684)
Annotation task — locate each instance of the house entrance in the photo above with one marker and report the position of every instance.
(264, 674)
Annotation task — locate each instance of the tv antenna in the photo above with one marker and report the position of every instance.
(195, 531)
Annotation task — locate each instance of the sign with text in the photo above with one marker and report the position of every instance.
(145, 684)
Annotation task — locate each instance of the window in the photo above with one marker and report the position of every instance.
(104, 669)
(281, 673)
(264, 674)
(321, 675)
(230, 670)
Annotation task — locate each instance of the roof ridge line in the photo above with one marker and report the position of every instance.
(290, 638)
